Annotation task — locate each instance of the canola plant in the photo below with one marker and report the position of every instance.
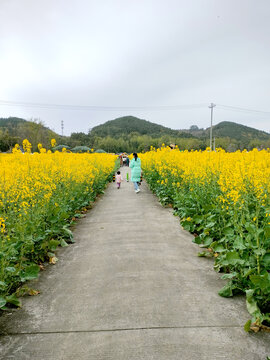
(223, 198)
(40, 196)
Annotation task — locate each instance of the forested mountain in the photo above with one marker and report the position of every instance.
(131, 124)
(228, 135)
(11, 124)
(232, 130)
(232, 136)
(133, 134)
(14, 130)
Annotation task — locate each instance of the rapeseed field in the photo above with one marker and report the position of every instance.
(41, 195)
(223, 198)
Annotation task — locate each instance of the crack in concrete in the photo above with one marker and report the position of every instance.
(118, 330)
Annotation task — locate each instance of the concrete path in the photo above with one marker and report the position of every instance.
(131, 288)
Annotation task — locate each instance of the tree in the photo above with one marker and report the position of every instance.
(80, 138)
(193, 128)
(7, 142)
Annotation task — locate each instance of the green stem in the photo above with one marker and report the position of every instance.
(258, 241)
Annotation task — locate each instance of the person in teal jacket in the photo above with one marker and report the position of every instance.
(136, 170)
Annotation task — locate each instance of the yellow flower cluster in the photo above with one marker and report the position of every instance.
(40, 195)
(2, 225)
(237, 174)
(27, 146)
(29, 181)
(53, 142)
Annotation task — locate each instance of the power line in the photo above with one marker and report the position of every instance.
(236, 108)
(100, 108)
(50, 106)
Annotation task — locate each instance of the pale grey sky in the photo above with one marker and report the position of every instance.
(136, 53)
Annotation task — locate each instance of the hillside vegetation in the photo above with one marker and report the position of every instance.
(133, 134)
(130, 124)
(14, 130)
(232, 136)
(238, 131)
(232, 130)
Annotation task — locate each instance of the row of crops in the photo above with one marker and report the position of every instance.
(223, 198)
(41, 195)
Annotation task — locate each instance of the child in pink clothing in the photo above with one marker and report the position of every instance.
(118, 179)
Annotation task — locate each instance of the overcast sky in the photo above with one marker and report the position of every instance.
(136, 53)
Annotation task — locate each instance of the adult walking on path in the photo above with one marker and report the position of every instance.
(135, 294)
(136, 171)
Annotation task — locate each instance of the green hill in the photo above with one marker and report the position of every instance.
(233, 131)
(14, 130)
(130, 133)
(232, 136)
(238, 131)
(11, 124)
(130, 124)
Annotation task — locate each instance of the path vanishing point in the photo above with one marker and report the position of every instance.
(130, 288)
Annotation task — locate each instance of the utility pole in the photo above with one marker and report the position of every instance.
(214, 147)
(211, 107)
(62, 127)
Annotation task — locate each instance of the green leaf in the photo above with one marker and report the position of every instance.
(226, 291)
(247, 326)
(248, 272)
(239, 243)
(78, 215)
(261, 281)
(186, 225)
(2, 302)
(69, 233)
(267, 232)
(233, 258)
(266, 260)
(12, 299)
(228, 231)
(232, 255)
(210, 225)
(197, 240)
(217, 247)
(197, 219)
(53, 244)
(3, 285)
(259, 252)
(229, 276)
(204, 254)
(252, 306)
(63, 243)
(206, 242)
(30, 273)
(10, 269)
(250, 227)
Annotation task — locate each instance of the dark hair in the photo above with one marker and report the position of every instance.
(118, 173)
(136, 156)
